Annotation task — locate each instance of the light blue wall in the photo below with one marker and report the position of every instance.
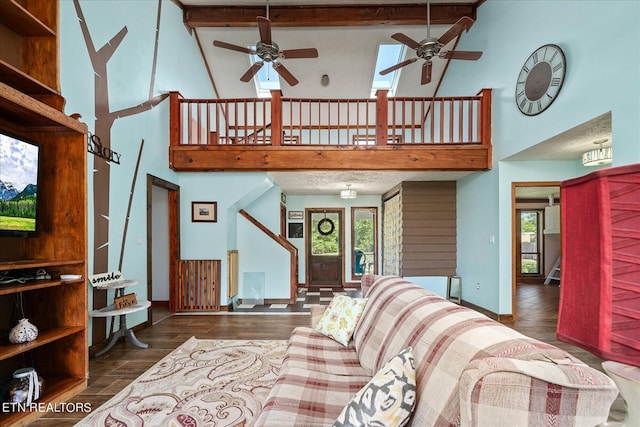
(179, 67)
(253, 192)
(601, 42)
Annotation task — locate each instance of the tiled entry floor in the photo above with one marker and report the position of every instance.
(303, 303)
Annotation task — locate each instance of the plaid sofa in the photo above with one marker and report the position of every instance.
(470, 370)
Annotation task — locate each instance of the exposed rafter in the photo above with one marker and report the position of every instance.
(327, 15)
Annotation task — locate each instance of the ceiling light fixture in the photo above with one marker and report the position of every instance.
(349, 193)
(599, 156)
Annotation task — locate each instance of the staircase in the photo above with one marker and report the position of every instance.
(554, 274)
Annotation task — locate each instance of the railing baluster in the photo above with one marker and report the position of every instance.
(413, 123)
(470, 121)
(432, 135)
(423, 122)
(291, 122)
(227, 131)
(451, 110)
(235, 124)
(394, 106)
(309, 128)
(403, 113)
(189, 125)
(328, 127)
(461, 120)
(319, 118)
(367, 122)
(442, 120)
(246, 125)
(348, 121)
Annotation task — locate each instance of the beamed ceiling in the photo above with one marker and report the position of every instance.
(347, 38)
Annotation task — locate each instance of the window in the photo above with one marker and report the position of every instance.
(267, 79)
(388, 55)
(530, 242)
(364, 232)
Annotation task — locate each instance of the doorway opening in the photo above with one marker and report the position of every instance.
(530, 246)
(364, 241)
(535, 208)
(325, 248)
(163, 245)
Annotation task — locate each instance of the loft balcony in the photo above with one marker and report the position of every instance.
(287, 134)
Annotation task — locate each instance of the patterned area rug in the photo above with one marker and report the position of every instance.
(201, 383)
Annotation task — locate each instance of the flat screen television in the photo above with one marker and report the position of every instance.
(19, 161)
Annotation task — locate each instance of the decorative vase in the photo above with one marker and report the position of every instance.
(26, 386)
(24, 331)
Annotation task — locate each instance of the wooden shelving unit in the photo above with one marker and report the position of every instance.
(23, 22)
(31, 108)
(29, 49)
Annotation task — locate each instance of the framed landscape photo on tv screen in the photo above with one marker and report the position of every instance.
(19, 161)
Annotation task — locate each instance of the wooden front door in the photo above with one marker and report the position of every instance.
(325, 248)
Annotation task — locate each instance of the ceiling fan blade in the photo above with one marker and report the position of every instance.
(285, 74)
(251, 71)
(300, 53)
(426, 73)
(230, 46)
(398, 65)
(461, 54)
(463, 24)
(264, 26)
(406, 40)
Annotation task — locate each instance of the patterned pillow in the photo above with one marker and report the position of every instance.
(339, 320)
(388, 399)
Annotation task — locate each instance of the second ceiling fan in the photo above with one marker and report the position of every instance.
(268, 51)
(432, 47)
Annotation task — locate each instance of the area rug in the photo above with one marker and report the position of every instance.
(219, 383)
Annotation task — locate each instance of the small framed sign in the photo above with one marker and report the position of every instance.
(296, 215)
(204, 211)
(125, 301)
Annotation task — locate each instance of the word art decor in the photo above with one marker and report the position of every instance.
(125, 301)
(95, 147)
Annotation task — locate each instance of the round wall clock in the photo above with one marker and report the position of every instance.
(540, 79)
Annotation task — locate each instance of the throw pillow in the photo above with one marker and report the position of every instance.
(340, 318)
(316, 314)
(388, 399)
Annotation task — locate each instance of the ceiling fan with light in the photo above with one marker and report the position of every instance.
(432, 47)
(268, 51)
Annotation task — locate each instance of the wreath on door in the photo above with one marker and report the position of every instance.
(326, 226)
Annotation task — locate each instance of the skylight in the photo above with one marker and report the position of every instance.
(388, 55)
(266, 79)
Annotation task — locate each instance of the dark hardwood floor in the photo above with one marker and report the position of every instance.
(537, 314)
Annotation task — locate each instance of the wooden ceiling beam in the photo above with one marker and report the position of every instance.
(327, 15)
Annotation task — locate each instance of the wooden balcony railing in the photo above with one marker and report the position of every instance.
(280, 125)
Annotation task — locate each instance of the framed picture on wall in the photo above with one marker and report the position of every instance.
(204, 211)
(296, 215)
(295, 230)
